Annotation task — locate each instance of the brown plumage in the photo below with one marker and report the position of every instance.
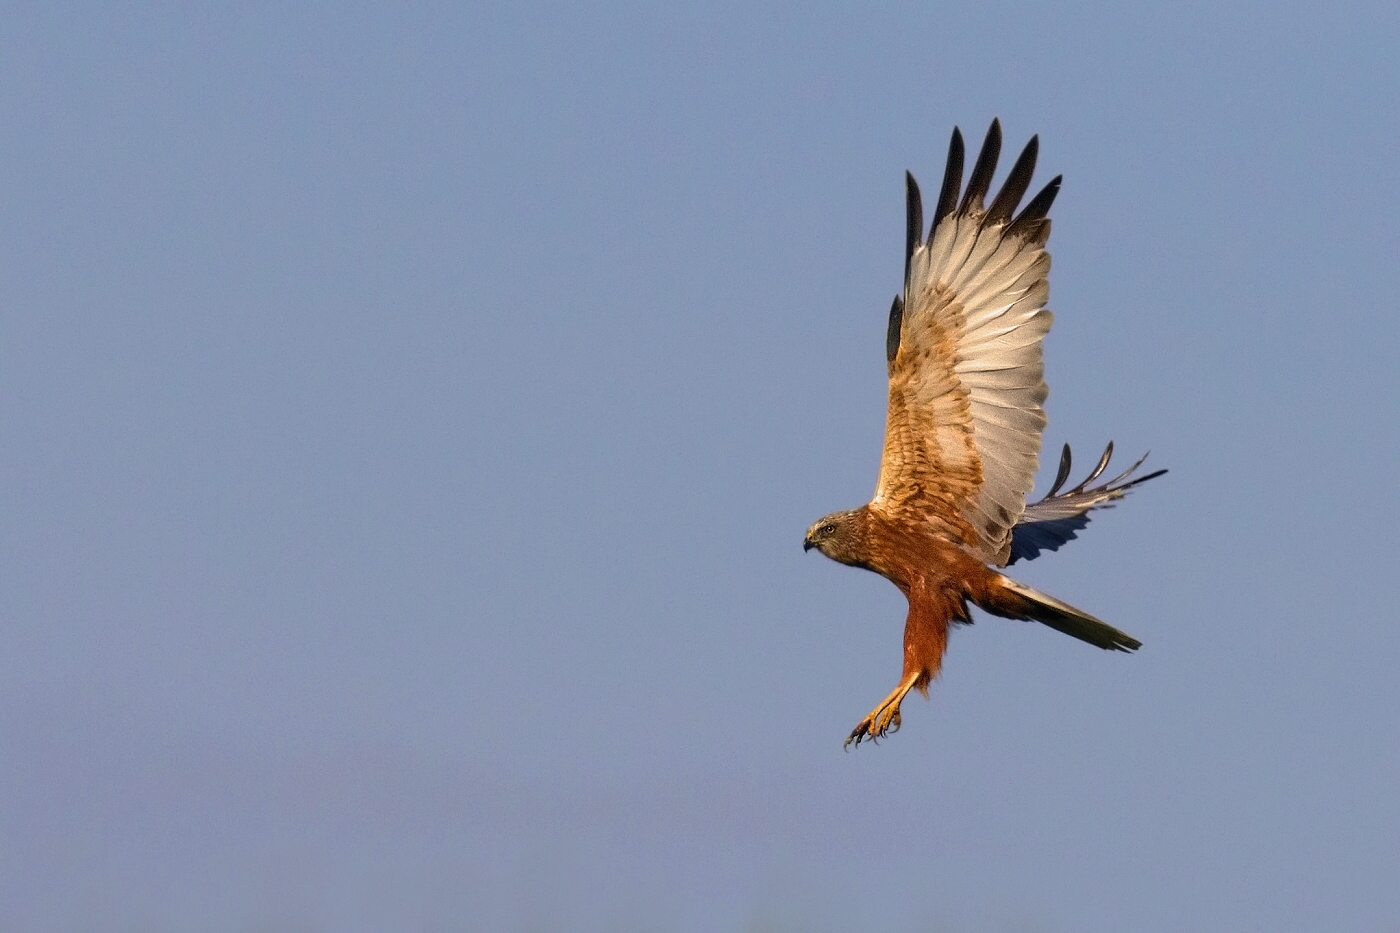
(962, 434)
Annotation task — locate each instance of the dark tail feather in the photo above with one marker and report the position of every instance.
(1012, 600)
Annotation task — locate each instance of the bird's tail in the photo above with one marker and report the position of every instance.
(1009, 599)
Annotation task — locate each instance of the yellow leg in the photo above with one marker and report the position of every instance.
(883, 719)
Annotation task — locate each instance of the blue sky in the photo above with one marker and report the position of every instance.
(409, 419)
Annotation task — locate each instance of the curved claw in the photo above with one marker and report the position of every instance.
(859, 734)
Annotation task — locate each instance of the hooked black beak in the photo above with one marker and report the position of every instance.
(807, 544)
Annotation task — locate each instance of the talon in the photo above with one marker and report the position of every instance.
(884, 719)
(858, 734)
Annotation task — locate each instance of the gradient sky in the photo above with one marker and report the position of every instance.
(409, 418)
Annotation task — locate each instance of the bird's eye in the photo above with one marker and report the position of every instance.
(827, 530)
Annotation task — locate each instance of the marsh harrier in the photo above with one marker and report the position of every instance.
(962, 434)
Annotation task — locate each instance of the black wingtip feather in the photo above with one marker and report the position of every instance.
(1098, 470)
(1142, 479)
(914, 219)
(983, 171)
(1066, 460)
(952, 181)
(1014, 188)
(892, 331)
(1039, 206)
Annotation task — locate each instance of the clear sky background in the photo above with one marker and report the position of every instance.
(409, 418)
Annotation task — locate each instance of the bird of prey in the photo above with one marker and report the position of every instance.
(962, 433)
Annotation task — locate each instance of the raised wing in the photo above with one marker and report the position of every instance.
(962, 435)
(1055, 519)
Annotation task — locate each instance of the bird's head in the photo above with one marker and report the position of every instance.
(838, 536)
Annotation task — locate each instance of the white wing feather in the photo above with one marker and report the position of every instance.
(969, 364)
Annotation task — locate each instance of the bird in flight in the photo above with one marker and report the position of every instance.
(962, 433)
